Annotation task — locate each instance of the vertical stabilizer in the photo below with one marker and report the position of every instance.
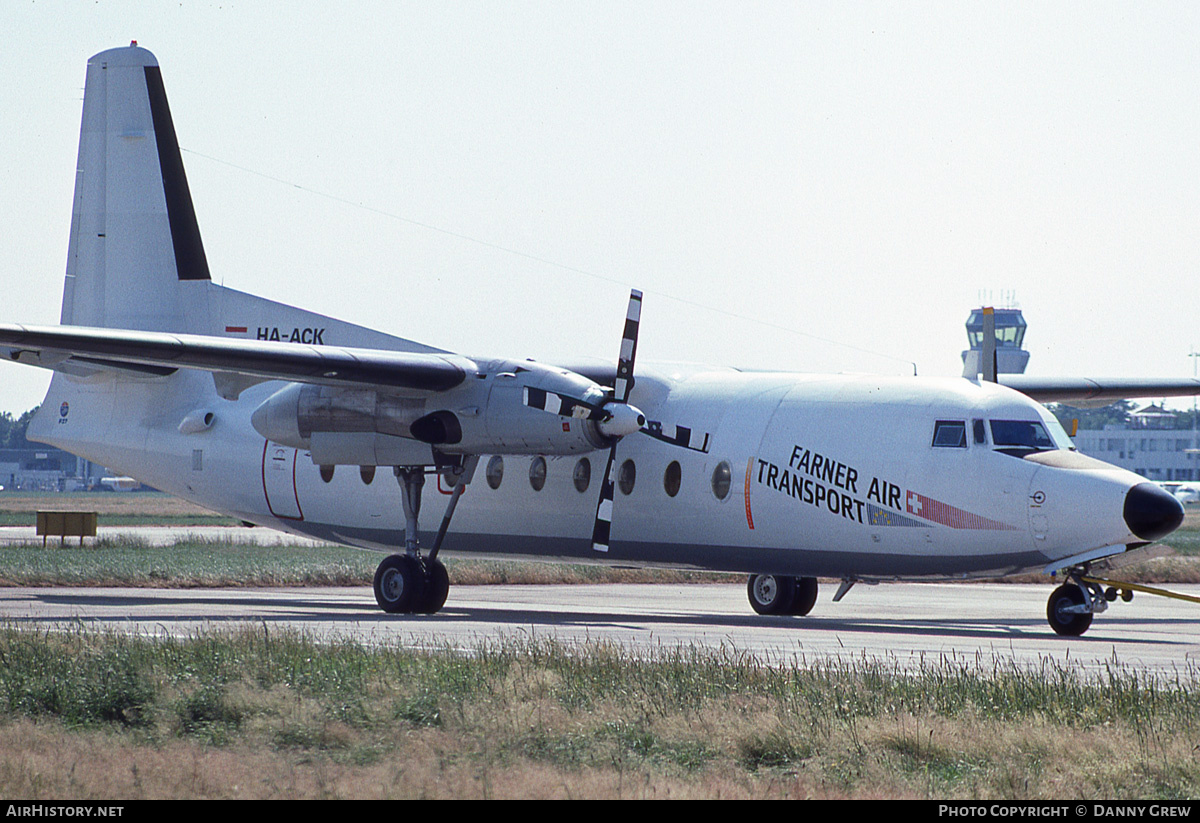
(134, 237)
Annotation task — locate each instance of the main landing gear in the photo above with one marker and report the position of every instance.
(780, 594)
(409, 583)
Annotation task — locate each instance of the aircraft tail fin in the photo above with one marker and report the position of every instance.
(134, 235)
(136, 260)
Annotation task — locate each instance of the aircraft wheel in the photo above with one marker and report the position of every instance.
(399, 583)
(1067, 624)
(437, 588)
(805, 596)
(771, 593)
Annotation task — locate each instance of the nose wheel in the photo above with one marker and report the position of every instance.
(1070, 610)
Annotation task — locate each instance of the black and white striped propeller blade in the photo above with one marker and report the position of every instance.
(677, 436)
(564, 406)
(602, 529)
(633, 317)
(604, 509)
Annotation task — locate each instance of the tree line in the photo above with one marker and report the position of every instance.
(12, 430)
(1118, 413)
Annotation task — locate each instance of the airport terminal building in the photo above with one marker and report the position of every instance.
(1149, 445)
(45, 469)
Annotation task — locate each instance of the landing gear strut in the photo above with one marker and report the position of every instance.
(781, 594)
(409, 583)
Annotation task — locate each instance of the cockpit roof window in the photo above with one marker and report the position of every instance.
(950, 433)
(1021, 436)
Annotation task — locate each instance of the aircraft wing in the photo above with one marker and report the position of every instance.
(76, 349)
(1084, 392)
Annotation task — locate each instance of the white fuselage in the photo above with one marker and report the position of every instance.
(804, 475)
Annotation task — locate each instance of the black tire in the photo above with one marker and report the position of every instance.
(399, 584)
(805, 596)
(771, 593)
(437, 588)
(1067, 625)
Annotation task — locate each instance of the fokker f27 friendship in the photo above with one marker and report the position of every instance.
(296, 421)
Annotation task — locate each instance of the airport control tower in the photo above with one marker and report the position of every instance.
(1010, 335)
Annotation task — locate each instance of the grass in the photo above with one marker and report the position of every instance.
(114, 508)
(197, 562)
(261, 714)
(193, 563)
(264, 714)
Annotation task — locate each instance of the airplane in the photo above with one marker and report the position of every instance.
(286, 418)
(1184, 492)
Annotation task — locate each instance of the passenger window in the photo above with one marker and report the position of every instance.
(537, 473)
(950, 434)
(583, 475)
(722, 478)
(672, 478)
(495, 471)
(626, 477)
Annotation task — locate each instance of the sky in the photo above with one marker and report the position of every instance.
(810, 186)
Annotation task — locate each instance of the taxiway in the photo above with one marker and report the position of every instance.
(906, 623)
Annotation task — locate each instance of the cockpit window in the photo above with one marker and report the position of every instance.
(1021, 436)
(950, 433)
(1059, 434)
(980, 431)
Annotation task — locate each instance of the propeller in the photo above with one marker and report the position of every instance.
(615, 418)
(621, 390)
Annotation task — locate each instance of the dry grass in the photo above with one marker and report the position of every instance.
(151, 504)
(251, 715)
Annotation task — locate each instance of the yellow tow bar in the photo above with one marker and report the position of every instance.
(1138, 587)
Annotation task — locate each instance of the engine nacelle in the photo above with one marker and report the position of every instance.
(485, 415)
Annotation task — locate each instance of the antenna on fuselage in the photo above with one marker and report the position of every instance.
(988, 351)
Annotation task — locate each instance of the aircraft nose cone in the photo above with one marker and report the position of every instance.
(1151, 512)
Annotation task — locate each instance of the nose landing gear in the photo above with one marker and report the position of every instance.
(1072, 605)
